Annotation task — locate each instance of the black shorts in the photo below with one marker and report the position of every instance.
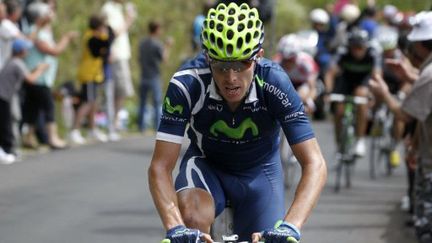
(38, 99)
(345, 86)
(89, 92)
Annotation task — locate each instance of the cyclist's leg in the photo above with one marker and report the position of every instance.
(362, 110)
(345, 88)
(257, 197)
(199, 193)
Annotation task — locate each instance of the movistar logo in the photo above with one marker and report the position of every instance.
(259, 81)
(170, 109)
(234, 133)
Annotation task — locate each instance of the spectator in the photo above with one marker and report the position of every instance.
(151, 53)
(38, 96)
(90, 74)
(349, 16)
(113, 10)
(368, 21)
(11, 77)
(197, 25)
(417, 106)
(9, 30)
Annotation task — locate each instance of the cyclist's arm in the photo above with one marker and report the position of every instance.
(314, 175)
(329, 78)
(395, 107)
(380, 89)
(161, 182)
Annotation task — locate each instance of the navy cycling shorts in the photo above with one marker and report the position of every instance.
(256, 195)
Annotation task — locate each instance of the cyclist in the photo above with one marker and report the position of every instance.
(417, 106)
(235, 102)
(322, 24)
(301, 68)
(348, 74)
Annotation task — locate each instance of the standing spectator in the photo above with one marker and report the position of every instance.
(91, 75)
(113, 10)
(151, 53)
(417, 106)
(9, 29)
(368, 21)
(11, 77)
(38, 96)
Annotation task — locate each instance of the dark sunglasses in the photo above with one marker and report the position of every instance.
(236, 66)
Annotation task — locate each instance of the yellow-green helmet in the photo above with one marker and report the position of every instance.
(232, 32)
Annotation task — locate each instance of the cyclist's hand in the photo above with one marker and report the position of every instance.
(378, 86)
(283, 232)
(181, 234)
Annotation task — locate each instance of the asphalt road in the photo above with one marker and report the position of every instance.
(99, 193)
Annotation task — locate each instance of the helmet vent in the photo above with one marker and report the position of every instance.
(231, 11)
(258, 24)
(250, 24)
(230, 34)
(220, 43)
(205, 35)
(221, 17)
(212, 38)
(256, 35)
(230, 49)
(219, 27)
(230, 21)
(248, 38)
(213, 52)
(247, 51)
(240, 27)
(239, 43)
(211, 24)
(241, 17)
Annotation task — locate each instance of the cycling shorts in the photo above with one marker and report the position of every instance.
(256, 195)
(347, 86)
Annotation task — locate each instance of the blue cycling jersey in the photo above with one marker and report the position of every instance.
(233, 140)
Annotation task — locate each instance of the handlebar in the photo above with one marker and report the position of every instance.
(358, 100)
(225, 239)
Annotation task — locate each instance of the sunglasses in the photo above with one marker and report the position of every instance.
(236, 66)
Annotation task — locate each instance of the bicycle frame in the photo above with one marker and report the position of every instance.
(382, 140)
(346, 140)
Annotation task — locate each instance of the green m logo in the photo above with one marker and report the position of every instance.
(167, 106)
(259, 81)
(234, 133)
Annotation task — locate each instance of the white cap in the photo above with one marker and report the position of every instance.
(422, 27)
(319, 16)
(39, 10)
(389, 11)
(289, 45)
(350, 13)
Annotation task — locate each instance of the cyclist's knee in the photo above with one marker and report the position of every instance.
(197, 209)
(361, 91)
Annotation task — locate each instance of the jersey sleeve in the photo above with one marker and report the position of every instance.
(287, 107)
(176, 111)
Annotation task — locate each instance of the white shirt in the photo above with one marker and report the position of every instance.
(8, 32)
(120, 49)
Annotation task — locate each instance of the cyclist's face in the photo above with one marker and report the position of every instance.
(358, 52)
(233, 79)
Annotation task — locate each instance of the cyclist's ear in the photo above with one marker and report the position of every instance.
(260, 53)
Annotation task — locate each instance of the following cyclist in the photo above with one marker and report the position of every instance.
(234, 103)
(348, 74)
(300, 67)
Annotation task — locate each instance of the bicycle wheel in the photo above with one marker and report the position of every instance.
(338, 176)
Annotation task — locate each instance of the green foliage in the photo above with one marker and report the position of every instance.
(176, 17)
